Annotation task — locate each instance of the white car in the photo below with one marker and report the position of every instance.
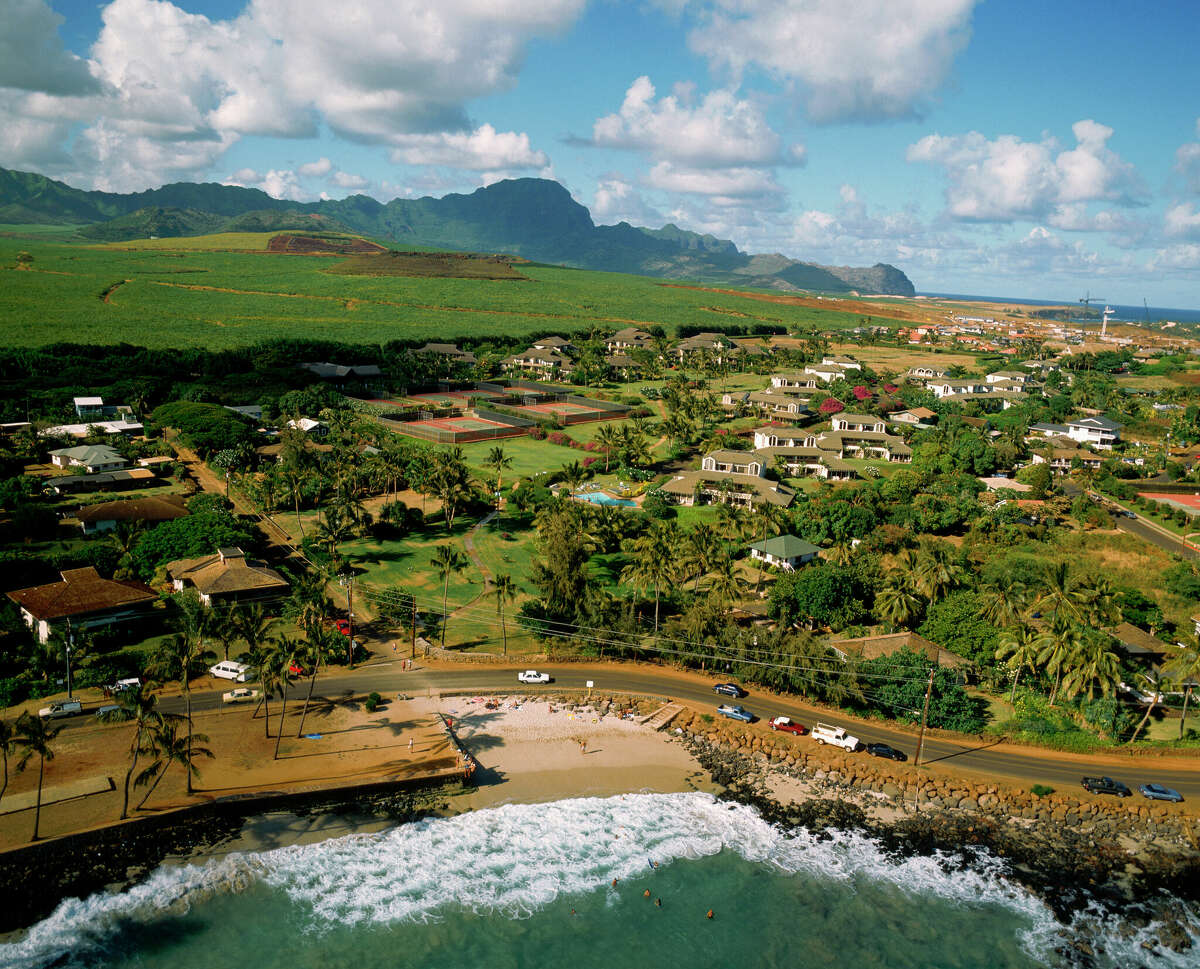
(229, 670)
(243, 694)
(63, 708)
(533, 676)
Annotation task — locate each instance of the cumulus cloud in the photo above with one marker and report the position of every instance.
(1008, 179)
(723, 186)
(347, 180)
(322, 166)
(1187, 163)
(278, 183)
(32, 56)
(1182, 221)
(484, 149)
(279, 68)
(846, 59)
(721, 131)
(617, 200)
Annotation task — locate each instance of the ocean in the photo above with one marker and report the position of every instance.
(612, 883)
(1121, 313)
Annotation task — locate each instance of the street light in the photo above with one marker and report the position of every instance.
(346, 579)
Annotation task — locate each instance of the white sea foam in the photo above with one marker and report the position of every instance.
(514, 861)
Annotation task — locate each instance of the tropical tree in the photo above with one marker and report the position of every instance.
(935, 574)
(896, 604)
(164, 746)
(1003, 603)
(725, 584)
(140, 707)
(1095, 667)
(251, 623)
(1155, 682)
(654, 561)
(8, 745)
(281, 660)
(499, 463)
(448, 561)
(1061, 598)
(1056, 649)
(609, 440)
(311, 655)
(180, 658)
(701, 546)
(35, 735)
(505, 591)
(1185, 671)
(1020, 646)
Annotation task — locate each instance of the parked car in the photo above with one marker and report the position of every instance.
(243, 694)
(107, 710)
(229, 670)
(787, 725)
(826, 733)
(1106, 785)
(886, 750)
(131, 683)
(63, 708)
(533, 676)
(730, 689)
(1156, 792)
(735, 712)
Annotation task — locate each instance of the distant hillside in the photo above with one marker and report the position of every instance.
(529, 217)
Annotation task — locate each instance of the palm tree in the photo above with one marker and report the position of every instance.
(1056, 649)
(505, 590)
(139, 707)
(311, 654)
(166, 747)
(725, 585)
(252, 624)
(260, 660)
(280, 661)
(701, 545)
(295, 481)
(896, 605)
(1095, 667)
(124, 538)
(497, 461)
(335, 529)
(1155, 683)
(654, 561)
(1021, 646)
(1003, 603)
(7, 746)
(180, 658)
(935, 573)
(1185, 670)
(573, 476)
(448, 561)
(1060, 596)
(609, 439)
(35, 736)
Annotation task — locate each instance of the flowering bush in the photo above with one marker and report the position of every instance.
(831, 405)
(560, 438)
(588, 462)
(861, 393)
(890, 388)
(537, 433)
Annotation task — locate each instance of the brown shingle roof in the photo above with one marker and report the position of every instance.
(872, 647)
(224, 572)
(158, 509)
(80, 591)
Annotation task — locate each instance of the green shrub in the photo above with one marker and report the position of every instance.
(373, 701)
(1041, 790)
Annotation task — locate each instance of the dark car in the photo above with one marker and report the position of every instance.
(729, 689)
(1156, 792)
(1106, 785)
(885, 750)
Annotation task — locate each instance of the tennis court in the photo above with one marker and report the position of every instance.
(458, 430)
(1187, 502)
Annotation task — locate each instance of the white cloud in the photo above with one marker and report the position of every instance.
(32, 56)
(1008, 179)
(721, 131)
(1182, 221)
(847, 59)
(172, 90)
(723, 186)
(616, 200)
(322, 166)
(484, 149)
(347, 180)
(1187, 164)
(278, 183)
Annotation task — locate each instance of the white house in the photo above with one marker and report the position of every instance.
(733, 462)
(784, 552)
(858, 422)
(1099, 432)
(793, 381)
(783, 437)
(93, 458)
(310, 427)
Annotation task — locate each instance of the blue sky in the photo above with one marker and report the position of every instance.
(1002, 148)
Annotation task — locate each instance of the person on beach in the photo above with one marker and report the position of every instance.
(583, 746)
(410, 744)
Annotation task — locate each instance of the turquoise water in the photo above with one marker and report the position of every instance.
(531, 886)
(603, 498)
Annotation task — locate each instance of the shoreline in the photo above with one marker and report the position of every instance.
(1141, 868)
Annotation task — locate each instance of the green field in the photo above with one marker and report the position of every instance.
(181, 292)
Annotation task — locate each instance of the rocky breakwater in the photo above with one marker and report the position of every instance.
(1138, 862)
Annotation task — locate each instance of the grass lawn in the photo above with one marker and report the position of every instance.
(407, 565)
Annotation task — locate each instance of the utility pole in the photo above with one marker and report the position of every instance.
(924, 718)
(70, 640)
(413, 649)
(347, 579)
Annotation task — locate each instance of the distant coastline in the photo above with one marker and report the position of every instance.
(1123, 313)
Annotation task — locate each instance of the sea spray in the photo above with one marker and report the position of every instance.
(519, 862)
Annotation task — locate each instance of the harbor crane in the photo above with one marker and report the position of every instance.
(1088, 299)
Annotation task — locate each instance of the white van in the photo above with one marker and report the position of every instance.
(229, 670)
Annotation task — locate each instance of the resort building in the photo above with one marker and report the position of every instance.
(227, 576)
(82, 600)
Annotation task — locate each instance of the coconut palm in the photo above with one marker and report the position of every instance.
(1020, 646)
(311, 655)
(1060, 597)
(654, 561)
(1185, 671)
(725, 584)
(8, 746)
(34, 736)
(1003, 603)
(448, 561)
(252, 624)
(1056, 647)
(609, 440)
(1154, 682)
(505, 590)
(498, 462)
(139, 707)
(280, 661)
(896, 604)
(1095, 667)
(936, 574)
(701, 545)
(165, 747)
(180, 658)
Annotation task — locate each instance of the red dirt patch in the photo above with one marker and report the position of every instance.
(313, 245)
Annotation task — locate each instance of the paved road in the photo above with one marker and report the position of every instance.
(1139, 526)
(982, 759)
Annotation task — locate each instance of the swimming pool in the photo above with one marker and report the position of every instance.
(604, 498)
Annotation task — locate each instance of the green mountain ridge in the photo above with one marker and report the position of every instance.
(529, 217)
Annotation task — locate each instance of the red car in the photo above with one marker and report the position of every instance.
(788, 726)
(297, 670)
(343, 626)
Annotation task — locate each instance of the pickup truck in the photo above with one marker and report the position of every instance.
(1106, 785)
(735, 712)
(63, 708)
(825, 733)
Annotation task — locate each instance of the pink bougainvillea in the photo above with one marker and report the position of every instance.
(588, 462)
(890, 388)
(831, 405)
(861, 392)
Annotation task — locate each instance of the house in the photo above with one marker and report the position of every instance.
(858, 422)
(873, 647)
(89, 406)
(784, 552)
(252, 411)
(448, 350)
(747, 490)
(117, 426)
(865, 444)
(555, 343)
(927, 371)
(783, 437)
(310, 427)
(341, 372)
(733, 462)
(104, 481)
(227, 576)
(93, 458)
(1061, 459)
(104, 516)
(793, 381)
(919, 417)
(1098, 432)
(845, 362)
(995, 483)
(1136, 643)
(826, 372)
(545, 363)
(956, 388)
(701, 342)
(82, 600)
(773, 401)
(630, 338)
